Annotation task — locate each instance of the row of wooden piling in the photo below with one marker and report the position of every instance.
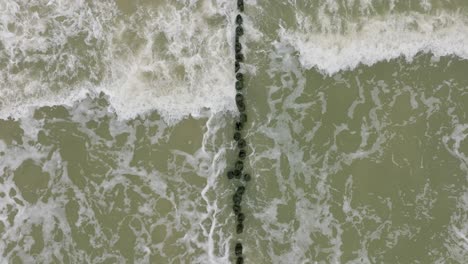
(237, 173)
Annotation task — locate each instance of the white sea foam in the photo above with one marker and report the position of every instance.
(375, 39)
(177, 61)
(192, 217)
(192, 74)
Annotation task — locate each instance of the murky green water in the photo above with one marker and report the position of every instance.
(117, 122)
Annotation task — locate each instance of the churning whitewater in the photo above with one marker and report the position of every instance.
(124, 135)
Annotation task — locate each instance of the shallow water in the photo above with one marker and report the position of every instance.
(117, 121)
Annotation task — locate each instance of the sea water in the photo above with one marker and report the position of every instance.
(116, 124)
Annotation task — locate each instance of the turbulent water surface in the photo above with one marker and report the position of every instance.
(116, 124)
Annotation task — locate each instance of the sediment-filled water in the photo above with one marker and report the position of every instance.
(117, 122)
